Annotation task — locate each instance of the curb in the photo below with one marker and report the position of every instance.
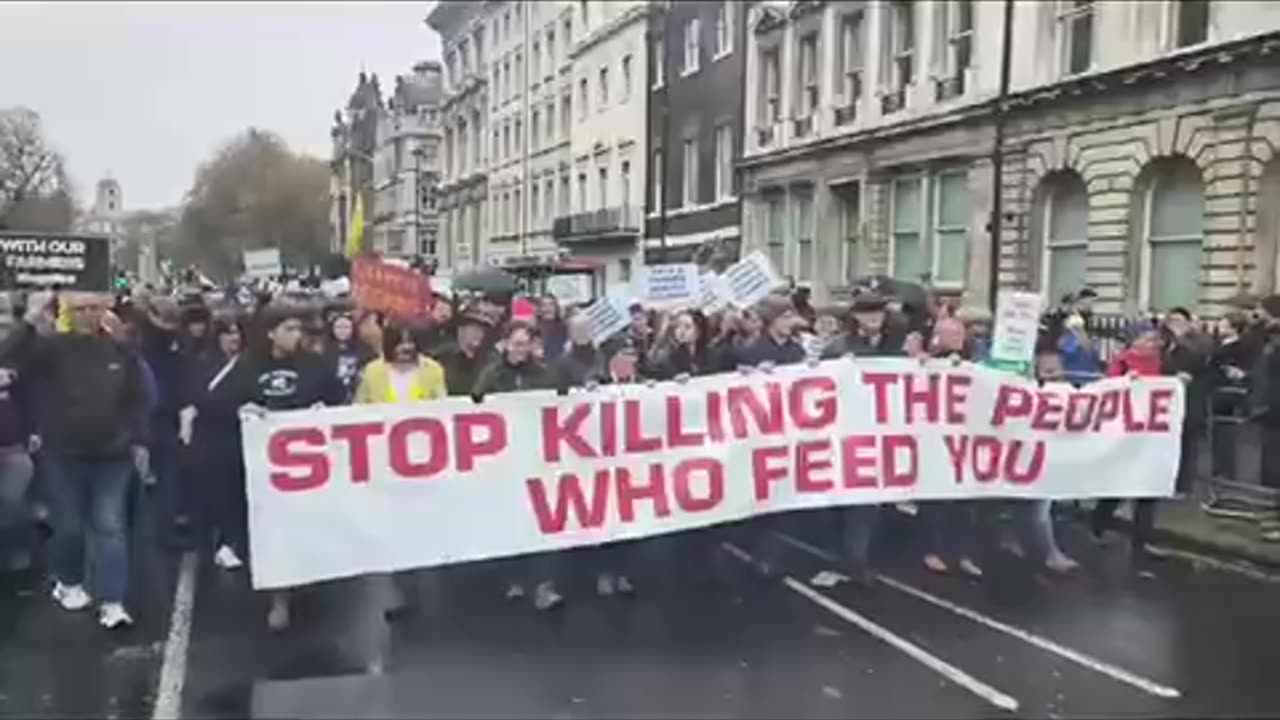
(1191, 543)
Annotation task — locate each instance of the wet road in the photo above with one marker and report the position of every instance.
(1173, 640)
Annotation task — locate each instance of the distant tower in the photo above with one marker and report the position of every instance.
(109, 202)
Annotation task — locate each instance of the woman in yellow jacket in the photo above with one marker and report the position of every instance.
(401, 375)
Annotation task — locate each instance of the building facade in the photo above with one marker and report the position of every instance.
(695, 111)
(355, 139)
(403, 219)
(603, 220)
(1136, 141)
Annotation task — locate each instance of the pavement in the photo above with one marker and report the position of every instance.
(1176, 638)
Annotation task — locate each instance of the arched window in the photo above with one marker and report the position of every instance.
(1065, 233)
(1173, 235)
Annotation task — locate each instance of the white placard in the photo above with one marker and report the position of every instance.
(571, 289)
(672, 286)
(607, 316)
(264, 263)
(751, 279)
(1017, 326)
(715, 295)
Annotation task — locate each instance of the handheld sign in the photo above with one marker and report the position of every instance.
(264, 263)
(1013, 344)
(607, 315)
(397, 291)
(672, 286)
(715, 294)
(570, 289)
(40, 261)
(751, 279)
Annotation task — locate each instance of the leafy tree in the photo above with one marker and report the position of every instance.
(255, 193)
(34, 191)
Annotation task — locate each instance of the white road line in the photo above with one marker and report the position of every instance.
(1099, 666)
(173, 670)
(938, 665)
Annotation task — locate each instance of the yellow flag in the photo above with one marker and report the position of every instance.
(355, 233)
(63, 322)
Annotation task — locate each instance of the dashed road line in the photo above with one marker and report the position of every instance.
(942, 667)
(1099, 666)
(173, 670)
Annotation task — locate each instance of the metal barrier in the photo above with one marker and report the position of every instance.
(1236, 487)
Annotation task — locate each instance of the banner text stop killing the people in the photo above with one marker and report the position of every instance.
(343, 491)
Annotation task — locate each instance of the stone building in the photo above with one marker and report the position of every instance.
(355, 139)
(1138, 137)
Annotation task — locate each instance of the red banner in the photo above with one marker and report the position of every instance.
(396, 291)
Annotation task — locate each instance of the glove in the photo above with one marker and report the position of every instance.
(187, 424)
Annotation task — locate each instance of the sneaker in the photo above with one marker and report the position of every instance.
(278, 616)
(624, 585)
(936, 564)
(71, 597)
(515, 591)
(1060, 563)
(227, 559)
(604, 585)
(545, 596)
(113, 615)
(970, 568)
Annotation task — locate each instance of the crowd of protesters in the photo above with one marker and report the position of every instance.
(101, 398)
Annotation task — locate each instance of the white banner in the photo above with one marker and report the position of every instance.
(379, 488)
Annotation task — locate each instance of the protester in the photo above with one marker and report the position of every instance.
(680, 348)
(369, 332)
(282, 376)
(210, 426)
(1229, 367)
(552, 327)
(580, 361)
(345, 353)
(402, 374)
(1079, 355)
(92, 427)
(1264, 396)
(469, 354)
(16, 467)
(161, 347)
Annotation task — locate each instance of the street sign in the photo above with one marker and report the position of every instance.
(263, 264)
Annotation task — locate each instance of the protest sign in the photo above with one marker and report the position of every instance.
(44, 261)
(714, 294)
(1017, 325)
(571, 289)
(607, 315)
(751, 279)
(263, 264)
(672, 286)
(397, 291)
(379, 488)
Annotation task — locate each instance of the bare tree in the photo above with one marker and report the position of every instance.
(34, 192)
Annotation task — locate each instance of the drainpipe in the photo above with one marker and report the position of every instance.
(996, 223)
(664, 130)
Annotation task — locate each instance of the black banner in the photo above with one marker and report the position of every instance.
(46, 261)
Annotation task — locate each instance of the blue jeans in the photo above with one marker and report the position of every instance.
(89, 497)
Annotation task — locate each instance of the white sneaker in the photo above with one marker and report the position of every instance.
(113, 615)
(515, 591)
(624, 585)
(604, 584)
(545, 596)
(71, 597)
(227, 559)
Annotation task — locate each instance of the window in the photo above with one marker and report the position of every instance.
(517, 212)
(689, 176)
(506, 25)
(583, 91)
(534, 126)
(566, 115)
(506, 79)
(551, 120)
(624, 270)
(624, 179)
(908, 256)
(656, 170)
(604, 89)
(1066, 235)
(1190, 22)
(802, 230)
(551, 50)
(807, 76)
(950, 228)
(770, 88)
(496, 88)
(582, 192)
(626, 78)
(568, 32)
(849, 59)
(586, 15)
(497, 154)
(520, 78)
(602, 187)
(775, 217)
(551, 198)
(659, 61)
(564, 192)
(518, 138)
(1075, 35)
(507, 222)
(724, 30)
(691, 59)
(535, 61)
(724, 162)
(506, 140)
(1175, 236)
(902, 44)
(535, 207)
(955, 41)
(850, 199)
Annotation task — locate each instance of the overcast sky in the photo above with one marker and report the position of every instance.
(146, 91)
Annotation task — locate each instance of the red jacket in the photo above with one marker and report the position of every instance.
(1128, 360)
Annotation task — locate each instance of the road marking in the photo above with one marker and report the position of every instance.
(938, 665)
(1099, 666)
(173, 670)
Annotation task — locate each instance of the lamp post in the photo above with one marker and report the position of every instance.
(418, 154)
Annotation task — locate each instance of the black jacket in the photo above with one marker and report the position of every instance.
(578, 365)
(292, 383)
(888, 344)
(673, 360)
(1264, 395)
(503, 377)
(461, 371)
(90, 394)
(1191, 354)
(787, 352)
